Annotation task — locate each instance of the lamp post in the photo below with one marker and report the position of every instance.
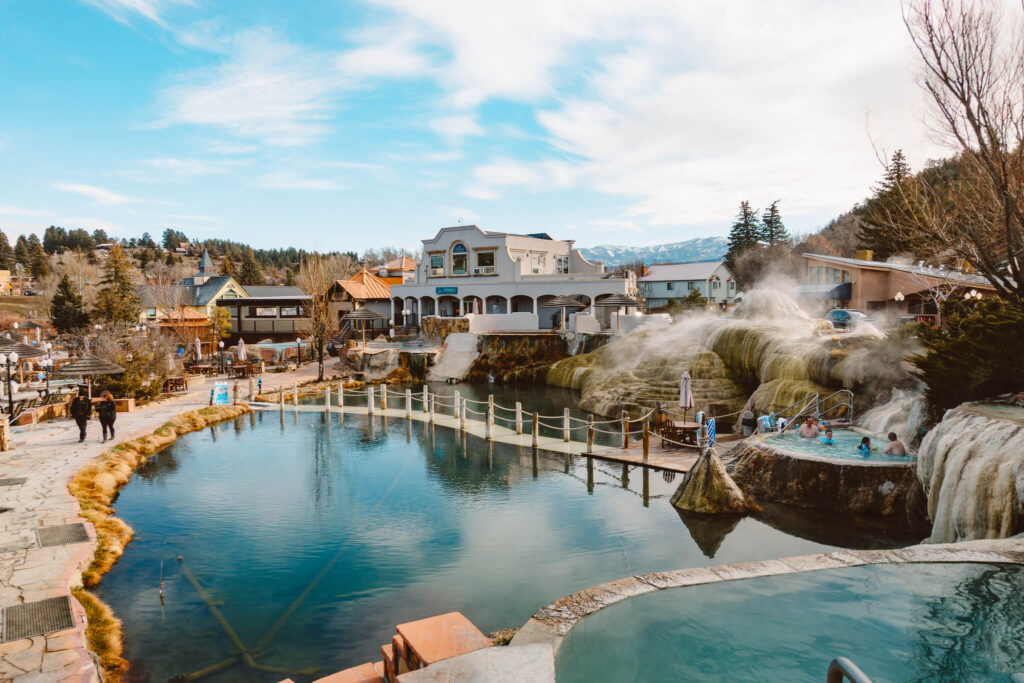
(47, 364)
(298, 346)
(972, 295)
(7, 359)
(221, 345)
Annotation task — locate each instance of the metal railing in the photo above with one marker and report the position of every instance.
(848, 404)
(819, 405)
(842, 669)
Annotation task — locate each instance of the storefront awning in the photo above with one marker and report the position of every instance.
(829, 291)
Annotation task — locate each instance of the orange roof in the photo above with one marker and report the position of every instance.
(365, 285)
(401, 263)
(183, 314)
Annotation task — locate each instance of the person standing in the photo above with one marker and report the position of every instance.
(81, 409)
(107, 412)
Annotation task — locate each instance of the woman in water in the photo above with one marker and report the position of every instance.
(865, 446)
(827, 439)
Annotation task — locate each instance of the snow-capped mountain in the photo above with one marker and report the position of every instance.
(700, 249)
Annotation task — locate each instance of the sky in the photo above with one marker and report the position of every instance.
(349, 125)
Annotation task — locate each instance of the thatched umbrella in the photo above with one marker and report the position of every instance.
(363, 314)
(24, 351)
(617, 301)
(564, 302)
(88, 367)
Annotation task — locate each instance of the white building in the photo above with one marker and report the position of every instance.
(666, 281)
(503, 280)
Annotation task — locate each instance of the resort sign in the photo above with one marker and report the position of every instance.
(446, 290)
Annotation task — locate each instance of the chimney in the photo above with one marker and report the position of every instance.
(865, 254)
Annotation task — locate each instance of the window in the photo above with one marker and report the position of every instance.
(460, 260)
(563, 265)
(846, 276)
(151, 312)
(436, 264)
(292, 312)
(484, 263)
(816, 274)
(832, 275)
(715, 284)
(670, 286)
(691, 286)
(259, 312)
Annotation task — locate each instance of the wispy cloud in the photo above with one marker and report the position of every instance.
(285, 180)
(454, 128)
(98, 194)
(123, 10)
(9, 210)
(195, 167)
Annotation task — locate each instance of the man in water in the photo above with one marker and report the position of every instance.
(808, 429)
(895, 446)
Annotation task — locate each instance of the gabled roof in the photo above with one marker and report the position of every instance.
(676, 272)
(364, 285)
(273, 290)
(183, 314)
(401, 263)
(920, 270)
(208, 291)
(166, 296)
(206, 265)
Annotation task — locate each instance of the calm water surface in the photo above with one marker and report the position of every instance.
(377, 523)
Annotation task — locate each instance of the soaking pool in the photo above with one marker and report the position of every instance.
(845, 447)
(915, 622)
(349, 526)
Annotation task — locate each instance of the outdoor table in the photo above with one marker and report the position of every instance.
(679, 432)
(176, 384)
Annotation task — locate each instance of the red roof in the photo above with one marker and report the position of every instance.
(401, 263)
(365, 285)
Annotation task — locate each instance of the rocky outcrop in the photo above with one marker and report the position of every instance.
(708, 489)
(972, 468)
(435, 330)
(516, 358)
(888, 491)
(375, 363)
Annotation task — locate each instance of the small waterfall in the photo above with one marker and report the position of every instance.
(904, 414)
(972, 468)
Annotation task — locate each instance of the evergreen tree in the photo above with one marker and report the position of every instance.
(744, 235)
(772, 230)
(289, 277)
(79, 240)
(6, 253)
(100, 236)
(170, 260)
(227, 266)
(116, 300)
(67, 309)
(147, 241)
(54, 239)
(891, 202)
(250, 273)
(39, 263)
(22, 254)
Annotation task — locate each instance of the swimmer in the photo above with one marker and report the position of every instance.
(827, 439)
(895, 446)
(808, 429)
(865, 446)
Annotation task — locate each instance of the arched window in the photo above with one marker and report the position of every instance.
(460, 259)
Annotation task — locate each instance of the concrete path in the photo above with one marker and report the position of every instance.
(47, 458)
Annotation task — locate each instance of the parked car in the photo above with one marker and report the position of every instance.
(32, 292)
(846, 318)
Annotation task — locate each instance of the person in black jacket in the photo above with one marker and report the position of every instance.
(81, 409)
(108, 413)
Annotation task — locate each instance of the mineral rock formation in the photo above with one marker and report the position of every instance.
(708, 488)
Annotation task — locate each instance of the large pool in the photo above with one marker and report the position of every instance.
(377, 523)
(948, 622)
(844, 448)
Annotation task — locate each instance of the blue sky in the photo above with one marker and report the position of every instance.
(349, 125)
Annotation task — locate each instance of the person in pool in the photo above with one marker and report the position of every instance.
(827, 439)
(895, 446)
(808, 429)
(865, 446)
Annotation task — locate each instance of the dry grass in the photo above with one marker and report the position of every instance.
(95, 486)
(103, 635)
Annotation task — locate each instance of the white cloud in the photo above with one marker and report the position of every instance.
(121, 10)
(9, 210)
(454, 128)
(460, 214)
(98, 194)
(390, 51)
(194, 167)
(481, 192)
(286, 180)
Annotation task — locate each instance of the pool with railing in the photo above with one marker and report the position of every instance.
(844, 446)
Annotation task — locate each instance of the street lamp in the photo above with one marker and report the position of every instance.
(221, 345)
(298, 345)
(47, 365)
(7, 359)
(973, 294)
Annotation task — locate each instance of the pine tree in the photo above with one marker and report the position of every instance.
(227, 266)
(772, 230)
(67, 309)
(116, 301)
(39, 262)
(22, 254)
(744, 235)
(289, 277)
(250, 273)
(6, 253)
(891, 202)
(54, 239)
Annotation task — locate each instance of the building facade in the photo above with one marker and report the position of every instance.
(667, 282)
(466, 270)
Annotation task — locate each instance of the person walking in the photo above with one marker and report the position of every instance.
(107, 412)
(81, 409)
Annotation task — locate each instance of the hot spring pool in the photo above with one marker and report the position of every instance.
(915, 622)
(377, 523)
(845, 447)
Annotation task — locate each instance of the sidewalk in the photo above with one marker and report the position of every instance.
(47, 458)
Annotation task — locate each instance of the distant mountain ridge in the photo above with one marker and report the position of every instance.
(699, 249)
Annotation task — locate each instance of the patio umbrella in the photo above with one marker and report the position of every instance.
(89, 367)
(685, 393)
(617, 301)
(240, 351)
(199, 349)
(564, 302)
(363, 314)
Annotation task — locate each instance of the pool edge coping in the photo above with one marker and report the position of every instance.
(553, 622)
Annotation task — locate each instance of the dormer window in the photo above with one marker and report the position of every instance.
(460, 259)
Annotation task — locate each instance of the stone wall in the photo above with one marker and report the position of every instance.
(514, 358)
(435, 330)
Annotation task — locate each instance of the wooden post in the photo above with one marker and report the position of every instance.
(426, 399)
(625, 429)
(457, 408)
(5, 435)
(252, 389)
(369, 400)
(487, 421)
(383, 396)
(280, 395)
(462, 414)
(519, 417)
(408, 404)
(490, 409)
(536, 429)
(647, 441)
(234, 393)
(590, 433)
(566, 429)
(432, 397)
(295, 393)
(327, 399)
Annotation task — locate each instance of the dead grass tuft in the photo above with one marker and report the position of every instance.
(103, 634)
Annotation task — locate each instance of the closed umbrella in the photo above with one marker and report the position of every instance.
(199, 350)
(240, 351)
(685, 393)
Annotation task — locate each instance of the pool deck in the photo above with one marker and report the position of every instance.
(47, 458)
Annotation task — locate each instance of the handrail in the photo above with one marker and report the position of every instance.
(847, 404)
(805, 400)
(842, 668)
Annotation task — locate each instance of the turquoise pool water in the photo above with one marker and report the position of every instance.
(399, 521)
(946, 622)
(845, 447)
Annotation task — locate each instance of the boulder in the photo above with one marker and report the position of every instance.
(708, 489)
